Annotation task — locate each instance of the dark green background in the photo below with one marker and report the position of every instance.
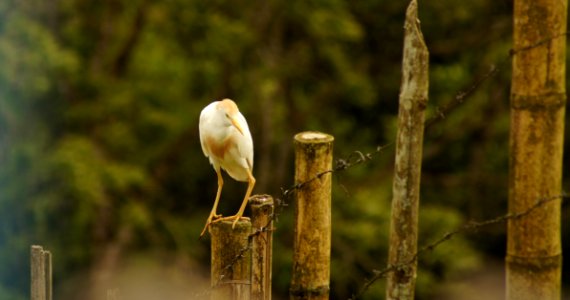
(100, 159)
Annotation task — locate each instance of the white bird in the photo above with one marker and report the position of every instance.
(227, 142)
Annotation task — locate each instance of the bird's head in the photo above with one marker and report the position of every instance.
(229, 111)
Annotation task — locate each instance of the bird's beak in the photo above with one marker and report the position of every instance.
(236, 124)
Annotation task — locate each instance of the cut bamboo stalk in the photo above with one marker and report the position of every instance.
(408, 161)
(231, 260)
(48, 275)
(538, 99)
(113, 294)
(40, 273)
(312, 237)
(262, 209)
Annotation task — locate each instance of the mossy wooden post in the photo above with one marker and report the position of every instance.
(312, 237)
(408, 162)
(262, 209)
(40, 273)
(231, 260)
(538, 99)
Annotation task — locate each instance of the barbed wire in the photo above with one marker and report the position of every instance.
(342, 164)
(470, 226)
(441, 113)
(512, 52)
(467, 227)
(356, 158)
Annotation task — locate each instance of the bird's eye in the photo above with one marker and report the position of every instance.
(227, 116)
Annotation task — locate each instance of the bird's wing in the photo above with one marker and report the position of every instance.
(204, 119)
(245, 144)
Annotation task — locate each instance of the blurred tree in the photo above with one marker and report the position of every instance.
(99, 106)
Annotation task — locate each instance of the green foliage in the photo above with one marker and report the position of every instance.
(9, 295)
(361, 236)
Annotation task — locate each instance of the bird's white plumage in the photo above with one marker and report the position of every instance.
(226, 145)
(227, 142)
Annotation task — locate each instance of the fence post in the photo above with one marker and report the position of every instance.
(538, 107)
(48, 274)
(40, 273)
(113, 294)
(262, 209)
(408, 161)
(312, 238)
(231, 260)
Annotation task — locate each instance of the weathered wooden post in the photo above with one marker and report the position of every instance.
(312, 238)
(231, 260)
(41, 273)
(407, 173)
(262, 209)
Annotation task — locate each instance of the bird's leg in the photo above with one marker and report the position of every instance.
(251, 183)
(218, 194)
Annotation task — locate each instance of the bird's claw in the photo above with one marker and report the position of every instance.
(212, 219)
(205, 227)
(218, 218)
(234, 218)
(237, 219)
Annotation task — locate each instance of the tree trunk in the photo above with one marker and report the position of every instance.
(406, 186)
(538, 97)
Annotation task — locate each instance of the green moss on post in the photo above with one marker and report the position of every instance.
(312, 238)
(231, 260)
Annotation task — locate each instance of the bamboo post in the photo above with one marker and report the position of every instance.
(48, 275)
(408, 161)
(312, 237)
(262, 209)
(40, 273)
(113, 294)
(538, 99)
(231, 260)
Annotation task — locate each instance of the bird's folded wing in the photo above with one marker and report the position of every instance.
(203, 132)
(245, 144)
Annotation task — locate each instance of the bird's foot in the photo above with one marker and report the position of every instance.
(211, 219)
(205, 227)
(235, 218)
(218, 218)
